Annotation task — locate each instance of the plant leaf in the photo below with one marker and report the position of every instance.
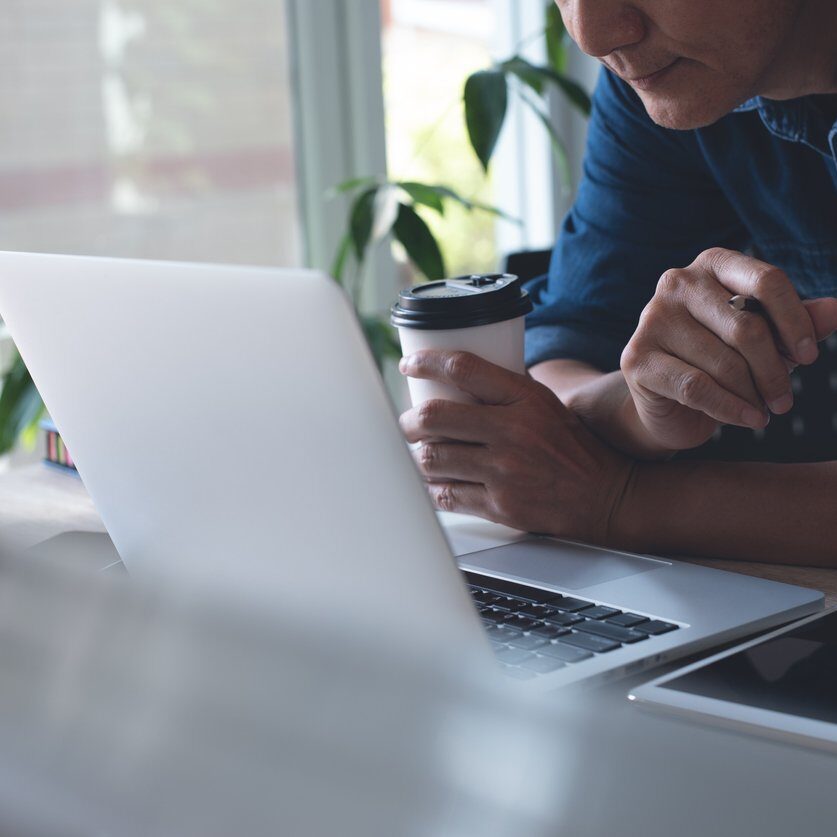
(420, 244)
(577, 95)
(556, 39)
(360, 221)
(350, 185)
(381, 338)
(339, 263)
(20, 404)
(574, 92)
(424, 194)
(486, 99)
(385, 211)
(525, 72)
(447, 192)
(559, 149)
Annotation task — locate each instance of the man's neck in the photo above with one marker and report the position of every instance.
(807, 62)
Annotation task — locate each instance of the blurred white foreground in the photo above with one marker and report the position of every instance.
(125, 712)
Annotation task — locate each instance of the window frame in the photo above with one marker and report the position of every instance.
(339, 125)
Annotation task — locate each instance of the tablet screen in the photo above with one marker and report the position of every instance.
(795, 673)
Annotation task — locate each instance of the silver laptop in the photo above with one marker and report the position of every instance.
(231, 427)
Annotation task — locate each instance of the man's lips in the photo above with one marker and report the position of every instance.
(646, 82)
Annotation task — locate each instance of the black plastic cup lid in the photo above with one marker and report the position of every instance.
(480, 299)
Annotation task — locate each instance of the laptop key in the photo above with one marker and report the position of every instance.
(656, 626)
(509, 588)
(627, 620)
(543, 665)
(483, 597)
(505, 604)
(496, 617)
(609, 631)
(518, 673)
(571, 605)
(511, 656)
(563, 619)
(549, 631)
(589, 642)
(536, 611)
(567, 653)
(520, 623)
(497, 634)
(601, 612)
(528, 642)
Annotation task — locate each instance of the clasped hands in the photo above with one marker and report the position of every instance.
(519, 456)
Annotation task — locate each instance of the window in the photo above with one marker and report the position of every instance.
(148, 128)
(429, 48)
(211, 130)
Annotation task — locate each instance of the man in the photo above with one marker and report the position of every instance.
(714, 135)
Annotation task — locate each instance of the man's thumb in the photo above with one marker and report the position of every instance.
(823, 313)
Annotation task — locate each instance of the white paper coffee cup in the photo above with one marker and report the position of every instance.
(482, 314)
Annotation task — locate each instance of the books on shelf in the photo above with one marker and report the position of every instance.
(56, 452)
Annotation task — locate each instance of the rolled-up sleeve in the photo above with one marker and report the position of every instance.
(647, 202)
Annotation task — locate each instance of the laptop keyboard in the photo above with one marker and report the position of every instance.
(534, 631)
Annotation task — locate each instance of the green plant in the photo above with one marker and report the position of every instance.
(384, 210)
(20, 404)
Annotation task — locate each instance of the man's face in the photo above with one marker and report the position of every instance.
(690, 61)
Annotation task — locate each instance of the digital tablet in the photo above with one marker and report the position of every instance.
(783, 684)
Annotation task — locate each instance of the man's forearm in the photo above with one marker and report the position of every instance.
(565, 377)
(603, 402)
(751, 511)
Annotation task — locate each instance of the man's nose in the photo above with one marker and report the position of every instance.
(601, 26)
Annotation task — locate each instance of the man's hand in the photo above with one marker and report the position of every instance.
(517, 457)
(695, 362)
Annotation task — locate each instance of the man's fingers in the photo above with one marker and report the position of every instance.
(445, 461)
(464, 497)
(771, 287)
(699, 347)
(487, 382)
(749, 335)
(672, 378)
(439, 418)
(823, 314)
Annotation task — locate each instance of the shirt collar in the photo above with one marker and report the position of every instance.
(750, 104)
(795, 120)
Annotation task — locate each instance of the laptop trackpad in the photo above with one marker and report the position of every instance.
(568, 566)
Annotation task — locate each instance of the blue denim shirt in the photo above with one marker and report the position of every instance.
(762, 179)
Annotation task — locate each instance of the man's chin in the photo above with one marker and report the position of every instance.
(681, 113)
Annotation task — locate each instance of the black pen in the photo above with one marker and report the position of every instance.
(740, 302)
(745, 303)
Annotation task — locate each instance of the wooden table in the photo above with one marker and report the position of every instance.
(38, 502)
